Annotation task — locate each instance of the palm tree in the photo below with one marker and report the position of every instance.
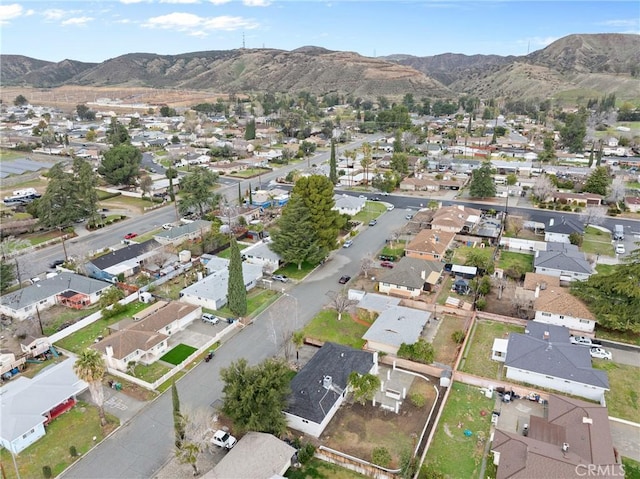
(366, 161)
(90, 367)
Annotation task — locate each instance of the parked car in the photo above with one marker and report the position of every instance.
(55, 263)
(600, 353)
(384, 193)
(384, 257)
(362, 196)
(347, 244)
(620, 248)
(167, 226)
(408, 217)
(210, 318)
(344, 279)
(280, 277)
(375, 198)
(387, 264)
(390, 208)
(130, 235)
(223, 439)
(373, 222)
(584, 341)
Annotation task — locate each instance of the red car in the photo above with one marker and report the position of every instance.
(386, 264)
(130, 235)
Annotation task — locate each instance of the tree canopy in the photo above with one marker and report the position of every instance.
(254, 397)
(236, 290)
(196, 192)
(121, 164)
(614, 297)
(294, 240)
(482, 185)
(117, 133)
(598, 181)
(316, 193)
(333, 173)
(90, 367)
(574, 130)
(7, 275)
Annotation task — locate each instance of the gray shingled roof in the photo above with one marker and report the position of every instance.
(131, 251)
(377, 302)
(558, 359)
(309, 399)
(408, 272)
(397, 325)
(183, 230)
(50, 287)
(564, 226)
(562, 261)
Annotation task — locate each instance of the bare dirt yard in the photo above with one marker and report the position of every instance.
(504, 306)
(357, 430)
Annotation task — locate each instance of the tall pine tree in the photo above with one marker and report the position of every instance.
(236, 290)
(333, 167)
(482, 185)
(178, 418)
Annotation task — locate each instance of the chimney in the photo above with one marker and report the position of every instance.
(326, 382)
(109, 351)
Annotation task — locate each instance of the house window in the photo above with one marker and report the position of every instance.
(584, 321)
(410, 289)
(546, 315)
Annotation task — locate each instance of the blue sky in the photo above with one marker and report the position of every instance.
(93, 31)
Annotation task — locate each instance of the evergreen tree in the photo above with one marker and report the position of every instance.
(574, 130)
(7, 275)
(598, 181)
(121, 164)
(117, 134)
(482, 185)
(87, 182)
(171, 174)
(61, 204)
(236, 290)
(250, 132)
(196, 191)
(316, 192)
(239, 195)
(333, 165)
(293, 240)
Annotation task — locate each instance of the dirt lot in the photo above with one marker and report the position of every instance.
(505, 305)
(357, 429)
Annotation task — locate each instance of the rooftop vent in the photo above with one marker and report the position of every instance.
(565, 447)
(326, 382)
(587, 420)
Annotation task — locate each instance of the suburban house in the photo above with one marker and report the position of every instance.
(348, 205)
(321, 386)
(419, 184)
(65, 288)
(430, 245)
(125, 261)
(559, 231)
(578, 199)
(271, 198)
(572, 439)
(395, 326)
(544, 356)
(410, 277)
(262, 255)
(28, 405)
(179, 234)
(257, 455)
(563, 260)
(144, 338)
(211, 291)
(633, 203)
(455, 219)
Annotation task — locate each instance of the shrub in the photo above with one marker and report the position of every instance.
(381, 456)
(458, 336)
(418, 400)
(420, 351)
(306, 452)
(46, 472)
(73, 452)
(481, 303)
(566, 208)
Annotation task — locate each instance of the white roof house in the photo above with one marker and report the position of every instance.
(349, 205)
(395, 326)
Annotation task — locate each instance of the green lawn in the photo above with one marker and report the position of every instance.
(319, 469)
(178, 354)
(623, 399)
(292, 271)
(477, 357)
(605, 268)
(631, 468)
(150, 372)
(62, 315)
(446, 292)
(250, 172)
(257, 301)
(74, 428)
(523, 262)
(226, 253)
(596, 241)
(326, 327)
(460, 254)
(443, 345)
(372, 209)
(396, 249)
(86, 336)
(452, 453)
(620, 336)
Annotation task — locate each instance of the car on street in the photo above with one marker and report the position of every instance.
(347, 244)
(600, 353)
(130, 235)
(584, 341)
(210, 318)
(620, 249)
(375, 198)
(344, 279)
(362, 196)
(167, 226)
(390, 208)
(280, 277)
(223, 439)
(384, 193)
(373, 222)
(387, 264)
(408, 217)
(55, 263)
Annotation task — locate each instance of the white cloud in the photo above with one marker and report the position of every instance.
(256, 3)
(219, 2)
(53, 14)
(9, 12)
(623, 22)
(180, 1)
(198, 26)
(80, 21)
(128, 2)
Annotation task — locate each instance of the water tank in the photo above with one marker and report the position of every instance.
(184, 256)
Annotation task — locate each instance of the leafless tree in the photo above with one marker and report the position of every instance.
(340, 301)
(146, 185)
(523, 302)
(366, 264)
(616, 190)
(515, 224)
(542, 188)
(198, 429)
(593, 215)
(394, 236)
(161, 257)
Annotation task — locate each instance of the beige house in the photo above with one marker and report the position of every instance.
(430, 244)
(455, 219)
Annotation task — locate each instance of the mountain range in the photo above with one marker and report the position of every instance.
(587, 65)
